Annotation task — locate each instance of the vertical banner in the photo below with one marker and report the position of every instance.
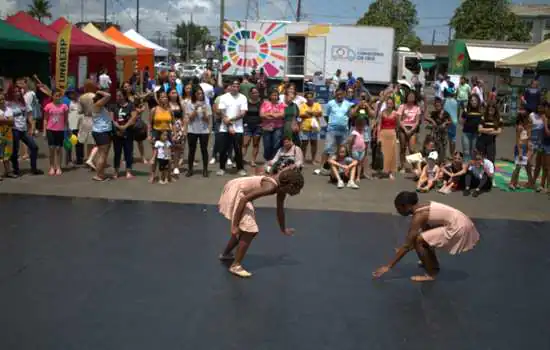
(62, 57)
(82, 70)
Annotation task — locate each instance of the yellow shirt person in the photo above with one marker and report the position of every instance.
(310, 113)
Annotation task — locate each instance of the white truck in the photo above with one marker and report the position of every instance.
(301, 50)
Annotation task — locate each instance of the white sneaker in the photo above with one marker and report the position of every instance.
(229, 163)
(353, 185)
(340, 184)
(220, 173)
(242, 172)
(212, 161)
(176, 171)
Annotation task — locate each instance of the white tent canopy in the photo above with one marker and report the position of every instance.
(138, 38)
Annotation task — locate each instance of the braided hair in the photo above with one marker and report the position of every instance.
(291, 181)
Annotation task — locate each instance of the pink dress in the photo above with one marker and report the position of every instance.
(453, 231)
(232, 193)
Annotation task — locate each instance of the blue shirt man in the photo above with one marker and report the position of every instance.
(338, 113)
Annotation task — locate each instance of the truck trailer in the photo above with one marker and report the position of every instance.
(300, 50)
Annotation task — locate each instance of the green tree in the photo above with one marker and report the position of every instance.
(400, 15)
(488, 20)
(190, 37)
(40, 9)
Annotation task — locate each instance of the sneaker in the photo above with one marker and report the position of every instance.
(238, 270)
(466, 193)
(340, 184)
(353, 185)
(176, 171)
(228, 257)
(220, 172)
(229, 163)
(242, 172)
(212, 161)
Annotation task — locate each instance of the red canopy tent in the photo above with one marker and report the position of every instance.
(100, 54)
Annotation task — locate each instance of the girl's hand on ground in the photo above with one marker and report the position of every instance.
(288, 232)
(380, 271)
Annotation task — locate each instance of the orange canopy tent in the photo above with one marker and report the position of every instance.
(145, 55)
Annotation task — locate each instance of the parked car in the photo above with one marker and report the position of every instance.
(162, 66)
(191, 70)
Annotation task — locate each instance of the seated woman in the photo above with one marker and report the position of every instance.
(343, 168)
(418, 160)
(479, 176)
(289, 154)
(454, 174)
(430, 174)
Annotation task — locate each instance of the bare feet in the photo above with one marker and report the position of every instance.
(422, 278)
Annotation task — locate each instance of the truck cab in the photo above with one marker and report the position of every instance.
(406, 65)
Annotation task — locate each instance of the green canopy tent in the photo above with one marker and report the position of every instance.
(22, 54)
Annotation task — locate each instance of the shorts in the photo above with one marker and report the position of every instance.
(358, 155)
(55, 138)
(546, 149)
(163, 164)
(156, 134)
(102, 138)
(334, 139)
(451, 132)
(140, 134)
(520, 156)
(309, 135)
(252, 130)
(415, 130)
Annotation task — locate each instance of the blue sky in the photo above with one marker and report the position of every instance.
(160, 17)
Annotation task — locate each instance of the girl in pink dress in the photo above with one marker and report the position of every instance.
(236, 204)
(433, 225)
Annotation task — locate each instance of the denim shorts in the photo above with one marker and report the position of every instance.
(358, 155)
(252, 130)
(334, 139)
(309, 135)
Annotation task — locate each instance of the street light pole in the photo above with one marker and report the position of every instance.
(137, 16)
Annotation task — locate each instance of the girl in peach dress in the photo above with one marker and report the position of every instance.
(433, 225)
(236, 204)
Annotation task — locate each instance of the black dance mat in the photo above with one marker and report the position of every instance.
(96, 274)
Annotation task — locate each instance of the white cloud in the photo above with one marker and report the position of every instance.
(7, 7)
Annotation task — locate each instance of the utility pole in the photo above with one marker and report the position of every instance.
(188, 38)
(433, 37)
(105, 15)
(222, 18)
(299, 11)
(137, 16)
(81, 10)
(450, 34)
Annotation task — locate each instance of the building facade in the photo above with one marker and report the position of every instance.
(536, 18)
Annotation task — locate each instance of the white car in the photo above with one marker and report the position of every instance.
(191, 71)
(162, 66)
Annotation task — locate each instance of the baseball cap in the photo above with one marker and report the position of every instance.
(433, 155)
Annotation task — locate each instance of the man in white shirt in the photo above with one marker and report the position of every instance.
(209, 51)
(233, 106)
(104, 80)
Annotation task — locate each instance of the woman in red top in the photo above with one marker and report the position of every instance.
(409, 121)
(387, 137)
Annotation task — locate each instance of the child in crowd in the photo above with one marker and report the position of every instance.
(545, 178)
(535, 145)
(521, 149)
(489, 129)
(236, 204)
(418, 160)
(162, 154)
(359, 146)
(479, 176)
(56, 119)
(439, 120)
(343, 169)
(430, 174)
(454, 174)
(74, 122)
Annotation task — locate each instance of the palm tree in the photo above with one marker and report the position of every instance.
(40, 9)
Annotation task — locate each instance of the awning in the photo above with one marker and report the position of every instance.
(528, 58)
(138, 38)
(490, 54)
(427, 64)
(121, 49)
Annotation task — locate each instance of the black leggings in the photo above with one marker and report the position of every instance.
(192, 142)
(486, 144)
(124, 145)
(234, 142)
(473, 181)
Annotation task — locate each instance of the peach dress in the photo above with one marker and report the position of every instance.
(232, 193)
(453, 231)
